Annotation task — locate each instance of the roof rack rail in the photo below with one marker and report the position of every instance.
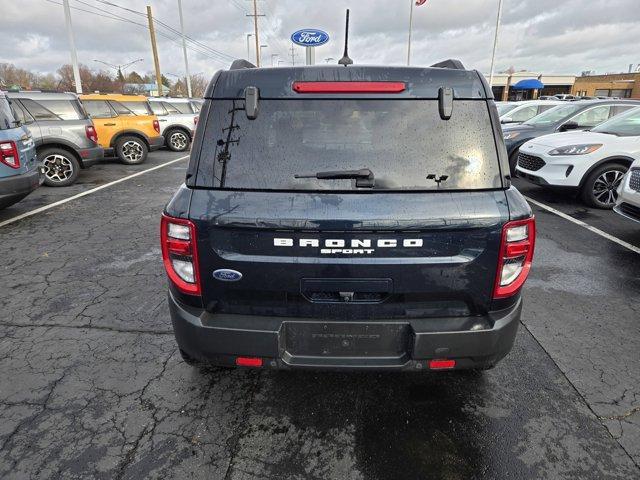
(450, 63)
(241, 64)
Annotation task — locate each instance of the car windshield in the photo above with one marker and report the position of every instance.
(505, 107)
(625, 125)
(402, 142)
(554, 115)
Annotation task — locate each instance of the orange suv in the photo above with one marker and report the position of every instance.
(125, 124)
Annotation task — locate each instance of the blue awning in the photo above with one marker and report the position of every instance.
(529, 84)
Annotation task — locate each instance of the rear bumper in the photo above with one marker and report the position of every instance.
(91, 156)
(220, 338)
(155, 143)
(17, 187)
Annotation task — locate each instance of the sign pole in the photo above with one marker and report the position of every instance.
(495, 43)
(311, 55)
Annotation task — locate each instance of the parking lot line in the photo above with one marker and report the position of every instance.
(595, 230)
(87, 192)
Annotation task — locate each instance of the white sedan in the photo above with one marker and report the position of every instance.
(593, 161)
(628, 204)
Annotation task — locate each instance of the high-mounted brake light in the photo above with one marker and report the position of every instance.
(348, 87)
(91, 133)
(180, 254)
(9, 154)
(516, 255)
(156, 126)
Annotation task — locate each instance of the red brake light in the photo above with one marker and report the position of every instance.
(179, 253)
(248, 362)
(156, 126)
(91, 133)
(9, 154)
(441, 364)
(349, 87)
(516, 255)
(195, 120)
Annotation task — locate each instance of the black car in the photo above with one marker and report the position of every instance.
(347, 218)
(578, 115)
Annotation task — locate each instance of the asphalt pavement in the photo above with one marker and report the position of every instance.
(94, 388)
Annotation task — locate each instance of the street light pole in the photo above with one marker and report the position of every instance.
(273, 56)
(495, 42)
(184, 50)
(260, 53)
(72, 46)
(410, 30)
(249, 35)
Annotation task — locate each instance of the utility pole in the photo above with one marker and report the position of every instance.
(184, 50)
(255, 29)
(495, 43)
(72, 46)
(154, 47)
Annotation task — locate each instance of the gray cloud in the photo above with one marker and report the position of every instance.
(546, 35)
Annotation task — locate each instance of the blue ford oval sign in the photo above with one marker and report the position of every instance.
(227, 275)
(309, 37)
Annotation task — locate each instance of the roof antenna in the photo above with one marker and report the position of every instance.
(345, 60)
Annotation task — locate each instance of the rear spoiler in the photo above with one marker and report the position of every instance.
(241, 64)
(450, 63)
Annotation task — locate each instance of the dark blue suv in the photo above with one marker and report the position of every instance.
(347, 218)
(19, 173)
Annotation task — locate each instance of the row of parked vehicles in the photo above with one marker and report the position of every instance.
(62, 133)
(589, 146)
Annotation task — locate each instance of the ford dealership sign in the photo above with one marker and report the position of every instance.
(310, 37)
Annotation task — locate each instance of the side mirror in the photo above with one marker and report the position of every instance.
(568, 126)
(251, 96)
(506, 120)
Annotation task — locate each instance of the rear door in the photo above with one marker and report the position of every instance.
(105, 120)
(409, 247)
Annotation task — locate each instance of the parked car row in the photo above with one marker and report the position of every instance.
(586, 146)
(69, 133)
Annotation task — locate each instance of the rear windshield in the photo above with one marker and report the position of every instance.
(6, 115)
(400, 141)
(55, 109)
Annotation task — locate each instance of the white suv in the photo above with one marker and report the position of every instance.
(178, 119)
(594, 161)
(628, 204)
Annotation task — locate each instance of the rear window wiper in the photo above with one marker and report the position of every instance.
(364, 177)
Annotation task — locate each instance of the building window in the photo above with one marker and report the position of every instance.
(619, 92)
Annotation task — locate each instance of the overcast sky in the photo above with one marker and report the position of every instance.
(551, 36)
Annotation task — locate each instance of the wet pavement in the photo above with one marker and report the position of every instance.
(93, 386)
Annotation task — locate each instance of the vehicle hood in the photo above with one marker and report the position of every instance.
(572, 138)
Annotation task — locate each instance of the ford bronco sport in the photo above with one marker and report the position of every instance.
(347, 218)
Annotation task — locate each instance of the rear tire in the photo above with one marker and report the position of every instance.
(178, 140)
(600, 188)
(61, 167)
(131, 150)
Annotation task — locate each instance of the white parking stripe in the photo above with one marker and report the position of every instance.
(87, 192)
(595, 230)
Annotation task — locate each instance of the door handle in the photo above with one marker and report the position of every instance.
(163, 120)
(109, 124)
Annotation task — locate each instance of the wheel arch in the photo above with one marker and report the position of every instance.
(130, 133)
(623, 159)
(62, 146)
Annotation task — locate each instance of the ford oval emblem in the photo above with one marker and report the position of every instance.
(227, 275)
(310, 37)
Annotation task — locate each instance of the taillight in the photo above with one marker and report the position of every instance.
(195, 120)
(156, 126)
(9, 154)
(180, 253)
(91, 133)
(516, 254)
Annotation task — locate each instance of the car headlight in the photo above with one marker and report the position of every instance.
(582, 149)
(510, 135)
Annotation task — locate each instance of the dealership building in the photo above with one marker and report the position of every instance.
(623, 85)
(522, 85)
